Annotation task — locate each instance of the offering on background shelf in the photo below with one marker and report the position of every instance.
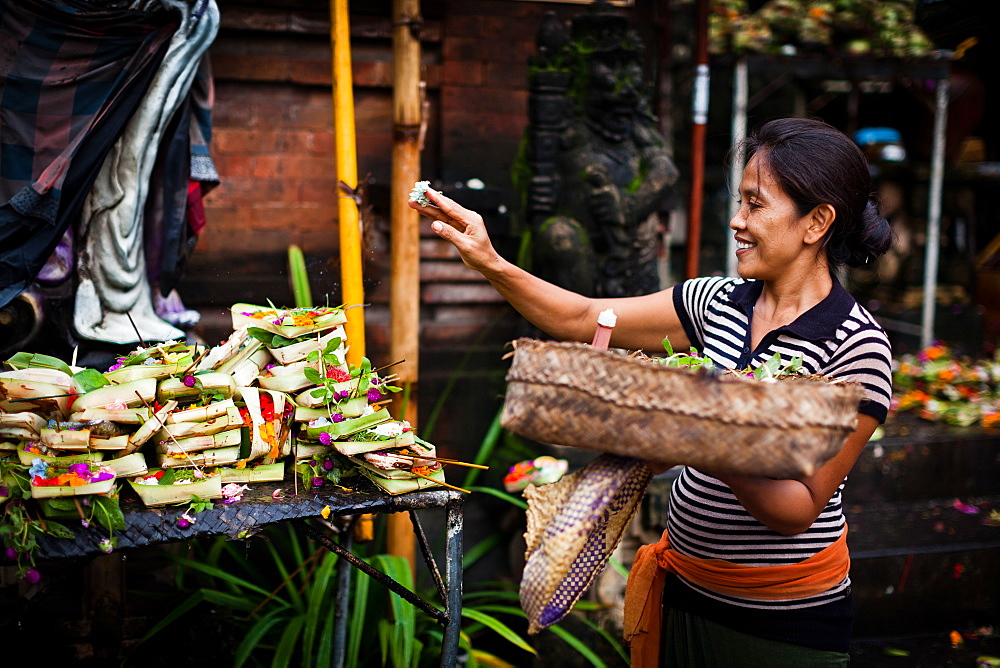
(939, 386)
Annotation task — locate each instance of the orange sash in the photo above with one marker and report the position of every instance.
(643, 614)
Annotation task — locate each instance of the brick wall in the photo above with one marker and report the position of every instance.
(273, 144)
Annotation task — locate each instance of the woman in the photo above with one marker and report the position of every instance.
(755, 569)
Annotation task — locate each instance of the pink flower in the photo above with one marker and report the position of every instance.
(31, 576)
(10, 553)
(325, 438)
(327, 465)
(233, 492)
(189, 381)
(337, 417)
(317, 482)
(374, 395)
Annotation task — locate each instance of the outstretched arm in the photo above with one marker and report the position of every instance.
(643, 322)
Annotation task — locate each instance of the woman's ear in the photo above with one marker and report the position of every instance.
(820, 220)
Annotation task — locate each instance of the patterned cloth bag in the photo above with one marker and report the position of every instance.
(574, 525)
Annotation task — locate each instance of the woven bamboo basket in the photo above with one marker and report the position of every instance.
(573, 394)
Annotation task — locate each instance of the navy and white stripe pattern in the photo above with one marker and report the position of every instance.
(836, 338)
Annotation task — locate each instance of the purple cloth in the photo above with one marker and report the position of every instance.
(70, 77)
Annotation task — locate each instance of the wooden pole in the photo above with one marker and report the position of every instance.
(404, 232)
(352, 288)
(698, 128)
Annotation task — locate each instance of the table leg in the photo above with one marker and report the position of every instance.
(453, 568)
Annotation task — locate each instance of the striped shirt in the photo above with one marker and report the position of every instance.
(836, 338)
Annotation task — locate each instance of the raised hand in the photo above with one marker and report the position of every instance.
(463, 228)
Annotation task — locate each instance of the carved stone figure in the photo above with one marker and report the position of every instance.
(595, 171)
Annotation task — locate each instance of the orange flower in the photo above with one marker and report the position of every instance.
(935, 352)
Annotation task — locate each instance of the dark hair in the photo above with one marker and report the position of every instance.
(814, 163)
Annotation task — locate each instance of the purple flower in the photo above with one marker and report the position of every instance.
(325, 438)
(327, 465)
(85, 524)
(106, 546)
(4, 491)
(374, 395)
(183, 523)
(85, 501)
(189, 381)
(80, 469)
(343, 394)
(10, 553)
(317, 482)
(31, 576)
(337, 417)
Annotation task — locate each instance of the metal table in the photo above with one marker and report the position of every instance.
(154, 526)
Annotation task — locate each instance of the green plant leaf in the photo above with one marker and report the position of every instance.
(324, 650)
(317, 596)
(485, 450)
(617, 565)
(480, 549)
(403, 614)
(667, 347)
(579, 646)
(498, 627)
(90, 379)
(225, 576)
(175, 614)
(359, 612)
(232, 601)
(58, 530)
(613, 641)
(257, 633)
(289, 641)
(261, 335)
(107, 512)
(513, 500)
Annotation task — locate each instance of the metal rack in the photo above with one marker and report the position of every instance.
(258, 509)
(860, 74)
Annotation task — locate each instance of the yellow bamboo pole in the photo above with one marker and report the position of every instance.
(352, 287)
(404, 228)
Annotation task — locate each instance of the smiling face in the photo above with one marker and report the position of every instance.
(773, 239)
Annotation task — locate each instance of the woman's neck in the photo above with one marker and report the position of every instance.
(781, 302)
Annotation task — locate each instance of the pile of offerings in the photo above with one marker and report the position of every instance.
(184, 424)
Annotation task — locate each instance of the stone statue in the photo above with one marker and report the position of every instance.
(595, 170)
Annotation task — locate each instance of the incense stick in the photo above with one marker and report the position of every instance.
(51, 396)
(443, 484)
(141, 340)
(439, 459)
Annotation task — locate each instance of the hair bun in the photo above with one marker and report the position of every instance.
(871, 239)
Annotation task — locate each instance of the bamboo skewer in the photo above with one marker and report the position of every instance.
(439, 459)
(443, 484)
(172, 437)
